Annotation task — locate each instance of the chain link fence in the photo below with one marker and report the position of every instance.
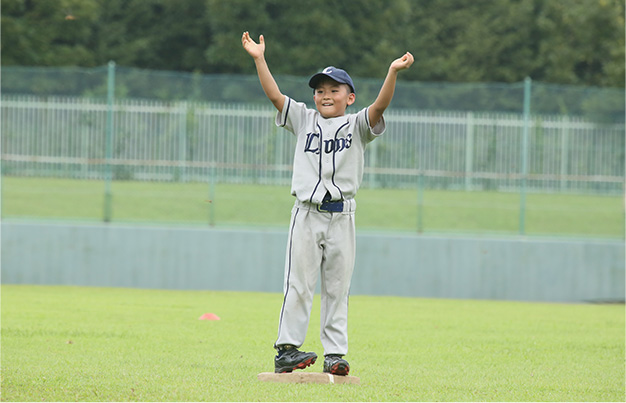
(121, 123)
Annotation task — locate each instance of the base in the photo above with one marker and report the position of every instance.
(307, 377)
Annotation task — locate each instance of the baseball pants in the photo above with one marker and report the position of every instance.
(320, 244)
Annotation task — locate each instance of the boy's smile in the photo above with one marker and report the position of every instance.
(332, 98)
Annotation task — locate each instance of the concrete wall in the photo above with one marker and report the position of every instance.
(252, 260)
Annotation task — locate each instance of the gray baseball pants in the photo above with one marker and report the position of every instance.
(319, 244)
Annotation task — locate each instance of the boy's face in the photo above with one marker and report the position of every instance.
(332, 98)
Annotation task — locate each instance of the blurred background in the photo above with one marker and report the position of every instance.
(148, 112)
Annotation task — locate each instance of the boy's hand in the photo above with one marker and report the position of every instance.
(402, 63)
(255, 50)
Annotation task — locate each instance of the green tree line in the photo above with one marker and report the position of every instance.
(579, 42)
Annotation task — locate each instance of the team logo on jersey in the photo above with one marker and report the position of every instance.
(312, 144)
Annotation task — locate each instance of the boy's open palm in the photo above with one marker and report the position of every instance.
(255, 50)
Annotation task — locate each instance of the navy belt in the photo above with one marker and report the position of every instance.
(330, 206)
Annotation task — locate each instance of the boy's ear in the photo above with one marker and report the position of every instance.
(351, 98)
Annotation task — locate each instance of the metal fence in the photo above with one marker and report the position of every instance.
(239, 143)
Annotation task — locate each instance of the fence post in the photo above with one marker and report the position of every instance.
(278, 152)
(564, 151)
(420, 202)
(109, 141)
(212, 195)
(373, 163)
(469, 151)
(185, 116)
(525, 134)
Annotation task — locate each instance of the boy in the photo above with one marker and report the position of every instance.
(327, 171)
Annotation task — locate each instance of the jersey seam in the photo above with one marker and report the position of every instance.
(319, 173)
(334, 159)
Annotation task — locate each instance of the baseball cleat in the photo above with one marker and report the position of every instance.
(334, 364)
(291, 358)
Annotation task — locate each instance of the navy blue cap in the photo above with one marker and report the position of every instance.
(336, 74)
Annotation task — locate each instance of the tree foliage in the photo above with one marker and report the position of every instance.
(562, 42)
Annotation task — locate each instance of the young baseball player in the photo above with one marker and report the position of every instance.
(327, 172)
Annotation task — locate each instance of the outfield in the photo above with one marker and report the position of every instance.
(380, 209)
(99, 344)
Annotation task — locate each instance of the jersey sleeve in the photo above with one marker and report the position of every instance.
(371, 132)
(293, 116)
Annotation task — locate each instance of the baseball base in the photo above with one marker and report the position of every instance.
(307, 377)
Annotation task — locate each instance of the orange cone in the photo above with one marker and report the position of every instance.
(209, 316)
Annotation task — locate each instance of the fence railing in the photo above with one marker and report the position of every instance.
(198, 141)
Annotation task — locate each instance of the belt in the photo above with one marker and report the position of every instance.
(329, 206)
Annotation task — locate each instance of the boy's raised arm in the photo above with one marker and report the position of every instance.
(389, 85)
(257, 51)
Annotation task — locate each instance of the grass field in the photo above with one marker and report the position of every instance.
(99, 344)
(380, 209)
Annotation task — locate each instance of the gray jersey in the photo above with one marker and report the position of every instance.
(329, 154)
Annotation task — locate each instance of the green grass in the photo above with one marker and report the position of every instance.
(379, 209)
(108, 344)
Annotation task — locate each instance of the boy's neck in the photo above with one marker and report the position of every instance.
(332, 117)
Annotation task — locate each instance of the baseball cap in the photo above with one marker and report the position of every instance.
(336, 74)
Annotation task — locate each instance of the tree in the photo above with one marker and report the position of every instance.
(47, 32)
(582, 42)
(563, 42)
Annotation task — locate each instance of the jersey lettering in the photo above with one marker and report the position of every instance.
(312, 144)
(308, 146)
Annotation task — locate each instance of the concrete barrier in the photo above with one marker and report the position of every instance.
(111, 255)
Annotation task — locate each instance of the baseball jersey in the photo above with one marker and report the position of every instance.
(330, 153)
